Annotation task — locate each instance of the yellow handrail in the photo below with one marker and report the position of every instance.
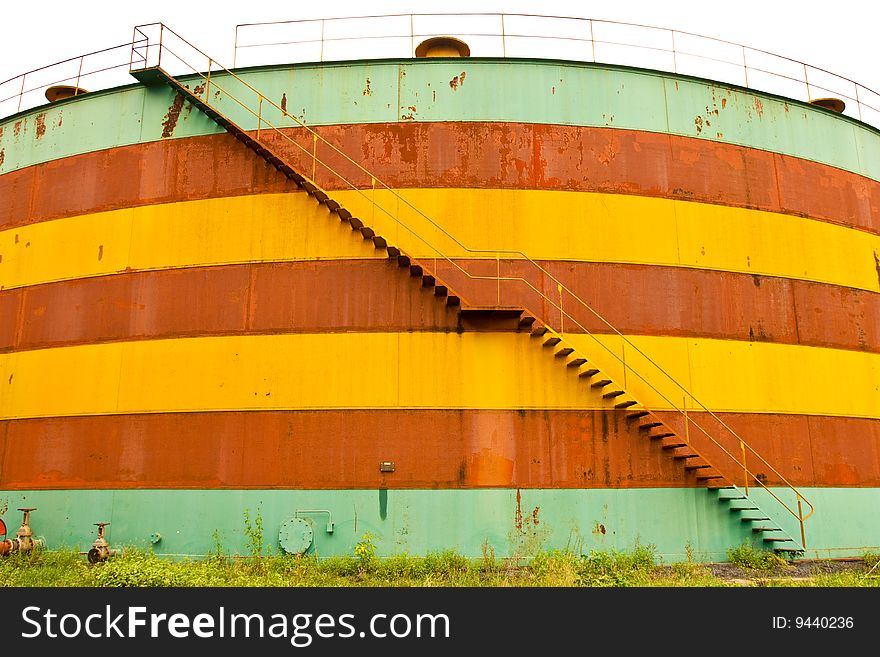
(564, 315)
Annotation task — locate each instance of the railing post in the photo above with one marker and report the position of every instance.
(315, 160)
(674, 59)
(745, 68)
(260, 120)
(159, 59)
(858, 102)
(807, 82)
(592, 41)
(322, 40)
(21, 93)
(742, 447)
(687, 422)
(503, 39)
(498, 278)
(78, 75)
(561, 309)
(208, 83)
(801, 520)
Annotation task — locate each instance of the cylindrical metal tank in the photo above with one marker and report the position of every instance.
(186, 338)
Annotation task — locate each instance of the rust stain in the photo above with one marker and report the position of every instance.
(10, 377)
(198, 90)
(535, 512)
(457, 81)
(518, 519)
(40, 121)
(723, 103)
(100, 251)
(2, 156)
(877, 265)
(553, 90)
(60, 118)
(170, 119)
(1, 131)
(759, 107)
(367, 91)
(599, 528)
(16, 238)
(284, 102)
(698, 122)
(16, 129)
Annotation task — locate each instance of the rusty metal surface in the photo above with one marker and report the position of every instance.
(488, 155)
(128, 176)
(328, 295)
(455, 449)
(375, 295)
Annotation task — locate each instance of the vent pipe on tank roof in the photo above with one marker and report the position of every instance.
(443, 46)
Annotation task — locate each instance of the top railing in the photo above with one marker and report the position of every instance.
(552, 37)
(487, 34)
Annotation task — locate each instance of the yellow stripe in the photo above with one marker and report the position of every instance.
(543, 224)
(415, 370)
(271, 227)
(555, 225)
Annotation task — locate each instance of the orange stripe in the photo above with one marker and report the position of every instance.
(487, 155)
(448, 449)
(332, 295)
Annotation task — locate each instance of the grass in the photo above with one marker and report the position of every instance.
(638, 567)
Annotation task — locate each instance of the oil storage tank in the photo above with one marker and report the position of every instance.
(454, 300)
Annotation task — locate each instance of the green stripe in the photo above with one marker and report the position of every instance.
(418, 521)
(493, 90)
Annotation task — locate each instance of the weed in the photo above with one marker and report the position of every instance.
(253, 531)
(365, 551)
(747, 557)
(618, 568)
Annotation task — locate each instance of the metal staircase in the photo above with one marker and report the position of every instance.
(211, 92)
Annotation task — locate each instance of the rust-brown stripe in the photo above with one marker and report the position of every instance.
(376, 295)
(464, 154)
(430, 449)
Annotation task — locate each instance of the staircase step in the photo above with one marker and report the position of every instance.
(332, 205)
(703, 476)
(787, 548)
(356, 224)
(562, 353)
(526, 320)
(393, 252)
(321, 197)
(647, 426)
(415, 270)
(344, 215)
(753, 518)
(428, 281)
(440, 290)
(758, 530)
(696, 466)
(453, 300)
(538, 331)
(612, 394)
(379, 242)
(678, 456)
(625, 404)
(721, 487)
(778, 539)
(576, 362)
(367, 232)
(588, 372)
(403, 260)
(673, 444)
(601, 383)
(635, 415)
(662, 434)
(750, 507)
(551, 341)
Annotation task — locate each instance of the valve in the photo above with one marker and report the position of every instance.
(24, 540)
(100, 548)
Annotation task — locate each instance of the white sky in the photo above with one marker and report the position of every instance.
(840, 36)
